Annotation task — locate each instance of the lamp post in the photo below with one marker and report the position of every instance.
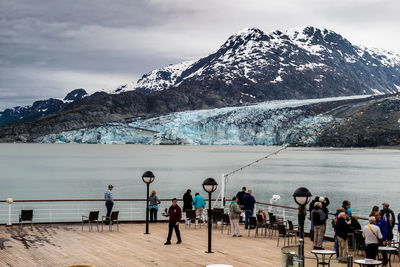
(148, 178)
(209, 185)
(302, 196)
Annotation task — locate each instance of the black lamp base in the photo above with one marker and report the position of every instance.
(209, 252)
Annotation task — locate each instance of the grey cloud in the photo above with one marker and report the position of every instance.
(49, 47)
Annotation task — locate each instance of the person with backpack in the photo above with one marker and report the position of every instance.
(388, 215)
(318, 218)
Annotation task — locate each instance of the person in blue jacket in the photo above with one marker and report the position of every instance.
(248, 205)
(381, 223)
(199, 205)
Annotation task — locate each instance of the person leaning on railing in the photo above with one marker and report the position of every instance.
(153, 206)
(109, 202)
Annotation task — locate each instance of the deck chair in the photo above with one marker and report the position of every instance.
(273, 226)
(26, 215)
(227, 222)
(216, 216)
(113, 219)
(191, 217)
(293, 229)
(253, 225)
(284, 234)
(261, 224)
(92, 218)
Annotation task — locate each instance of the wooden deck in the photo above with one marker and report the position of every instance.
(63, 245)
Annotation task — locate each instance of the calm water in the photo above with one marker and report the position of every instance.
(366, 177)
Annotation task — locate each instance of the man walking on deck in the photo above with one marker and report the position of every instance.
(248, 205)
(239, 196)
(175, 215)
(199, 205)
(109, 202)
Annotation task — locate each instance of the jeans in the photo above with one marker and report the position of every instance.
(153, 215)
(109, 205)
(247, 214)
(171, 227)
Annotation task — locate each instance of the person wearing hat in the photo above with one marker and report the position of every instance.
(388, 215)
(109, 202)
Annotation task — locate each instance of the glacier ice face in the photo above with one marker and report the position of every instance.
(267, 123)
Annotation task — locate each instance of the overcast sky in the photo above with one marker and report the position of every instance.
(49, 47)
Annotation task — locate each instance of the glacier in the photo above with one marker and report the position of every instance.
(266, 123)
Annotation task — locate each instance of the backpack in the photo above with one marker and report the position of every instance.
(388, 217)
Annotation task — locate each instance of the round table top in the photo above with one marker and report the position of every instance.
(387, 248)
(368, 262)
(321, 251)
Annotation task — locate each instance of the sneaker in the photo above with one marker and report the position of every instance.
(179, 241)
(233, 235)
(167, 243)
(239, 236)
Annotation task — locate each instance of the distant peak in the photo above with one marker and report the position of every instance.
(76, 94)
(249, 31)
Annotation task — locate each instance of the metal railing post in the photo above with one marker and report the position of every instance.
(9, 201)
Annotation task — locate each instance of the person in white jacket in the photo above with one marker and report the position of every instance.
(372, 234)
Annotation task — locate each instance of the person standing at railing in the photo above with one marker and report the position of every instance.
(199, 205)
(187, 200)
(239, 196)
(381, 223)
(342, 231)
(175, 215)
(248, 205)
(109, 202)
(153, 206)
(318, 218)
(388, 215)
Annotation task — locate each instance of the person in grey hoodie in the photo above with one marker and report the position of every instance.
(153, 206)
(318, 218)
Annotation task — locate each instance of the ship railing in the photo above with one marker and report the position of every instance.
(131, 210)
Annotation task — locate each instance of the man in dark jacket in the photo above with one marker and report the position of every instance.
(187, 201)
(318, 218)
(175, 215)
(248, 205)
(388, 215)
(342, 230)
(239, 196)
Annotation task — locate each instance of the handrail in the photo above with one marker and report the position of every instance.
(141, 200)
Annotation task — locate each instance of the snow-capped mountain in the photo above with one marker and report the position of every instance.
(39, 108)
(299, 63)
(250, 67)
